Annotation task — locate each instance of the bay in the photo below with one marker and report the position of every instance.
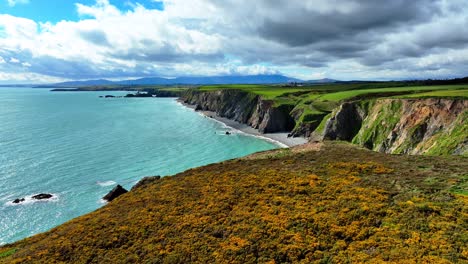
(78, 146)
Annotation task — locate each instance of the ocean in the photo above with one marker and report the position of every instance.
(78, 146)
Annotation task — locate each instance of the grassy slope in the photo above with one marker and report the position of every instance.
(458, 93)
(441, 90)
(341, 204)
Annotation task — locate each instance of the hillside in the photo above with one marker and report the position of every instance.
(315, 203)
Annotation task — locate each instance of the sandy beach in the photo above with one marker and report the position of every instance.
(280, 139)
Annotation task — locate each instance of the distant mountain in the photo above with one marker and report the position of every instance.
(146, 81)
(325, 80)
(86, 83)
(248, 79)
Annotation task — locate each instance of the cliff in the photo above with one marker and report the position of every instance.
(244, 107)
(401, 126)
(432, 126)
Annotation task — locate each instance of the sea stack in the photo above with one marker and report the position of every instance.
(116, 192)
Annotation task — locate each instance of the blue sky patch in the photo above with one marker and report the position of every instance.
(55, 11)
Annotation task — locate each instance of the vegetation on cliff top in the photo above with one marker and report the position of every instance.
(311, 104)
(340, 204)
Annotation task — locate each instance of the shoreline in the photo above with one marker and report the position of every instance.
(280, 139)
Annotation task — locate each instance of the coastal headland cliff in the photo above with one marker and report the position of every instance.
(401, 126)
(244, 107)
(432, 126)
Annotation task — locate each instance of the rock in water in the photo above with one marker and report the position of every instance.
(116, 192)
(42, 196)
(18, 200)
(145, 181)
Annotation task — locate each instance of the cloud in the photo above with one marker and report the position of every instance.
(96, 37)
(15, 2)
(342, 39)
(303, 24)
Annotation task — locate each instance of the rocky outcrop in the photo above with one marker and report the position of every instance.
(18, 200)
(268, 118)
(145, 181)
(42, 196)
(345, 124)
(243, 107)
(116, 192)
(168, 93)
(402, 126)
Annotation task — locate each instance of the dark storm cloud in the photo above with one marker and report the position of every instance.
(150, 51)
(369, 32)
(299, 26)
(96, 37)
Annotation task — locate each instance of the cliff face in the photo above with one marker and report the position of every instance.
(402, 126)
(243, 107)
(345, 123)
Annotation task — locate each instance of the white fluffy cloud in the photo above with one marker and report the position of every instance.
(305, 39)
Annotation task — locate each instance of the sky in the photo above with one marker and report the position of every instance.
(43, 41)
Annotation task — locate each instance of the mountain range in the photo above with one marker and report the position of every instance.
(246, 79)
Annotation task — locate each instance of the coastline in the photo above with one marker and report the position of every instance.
(280, 139)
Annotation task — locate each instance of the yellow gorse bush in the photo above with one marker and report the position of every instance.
(339, 205)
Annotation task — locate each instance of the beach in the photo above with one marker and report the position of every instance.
(280, 139)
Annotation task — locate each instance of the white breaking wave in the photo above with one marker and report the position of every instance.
(106, 183)
(29, 200)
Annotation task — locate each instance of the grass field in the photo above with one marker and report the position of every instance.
(340, 92)
(266, 91)
(442, 90)
(460, 93)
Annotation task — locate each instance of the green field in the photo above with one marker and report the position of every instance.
(266, 91)
(461, 93)
(442, 90)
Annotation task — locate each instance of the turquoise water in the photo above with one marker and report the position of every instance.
(77, 146)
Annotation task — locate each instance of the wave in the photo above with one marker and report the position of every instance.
(106, 183)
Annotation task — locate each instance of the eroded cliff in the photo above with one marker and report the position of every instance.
(401, 126)
(244, 107)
